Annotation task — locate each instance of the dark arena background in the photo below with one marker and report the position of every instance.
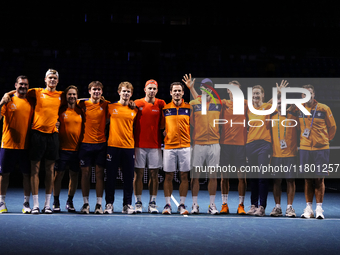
(140, 40)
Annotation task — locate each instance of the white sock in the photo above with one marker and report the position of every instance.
(26, 199)
(99, 200)
(47, 200)
(224, 198)
(168, 200)
(138, 198)
(2, 198)
(278, 206)
(318, 205)
(289, 206)
(35, 201)
(86, 200)
(212, 200)
(241, 200)
(309, 204)
(182, 200)
(153, 198)
(194, 200)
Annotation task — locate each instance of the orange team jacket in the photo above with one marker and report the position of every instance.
(288, 133)
(323, 129)
(17, 122)
(257, 130)
(235, 131)
(177, 125)
(71, 128)
(121, 125)
(148, 123)
(46, 109)
(95, 120)
(204, 130)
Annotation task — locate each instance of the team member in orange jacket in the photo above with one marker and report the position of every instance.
(17, 115)
(177, 146)
(316, 132)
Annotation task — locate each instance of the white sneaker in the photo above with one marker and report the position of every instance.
(139, 207)
(276, 212)
(108, 209)
(213, 210)
(290, 212)
(307, 213)
(98, 209)
(3, 208)
(252, 210)
(260, 211)
(26, 208)
(167, 209)
(128, 209)
(319, 213)
(195, 209)
(181, 209)
(152, 208)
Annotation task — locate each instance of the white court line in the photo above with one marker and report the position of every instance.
(176, 203)
(145, 215)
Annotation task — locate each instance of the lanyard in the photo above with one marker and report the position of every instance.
(311, 124)
(278, 130)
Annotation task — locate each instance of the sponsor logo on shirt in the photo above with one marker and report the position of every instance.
(114, 111)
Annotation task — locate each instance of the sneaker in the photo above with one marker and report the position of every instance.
(85, 209)
(128, 209)
(240, 209)
(212, 210)
(181, 209)
(152, 208)
(47, 210)
(195, 209)
(167, 209)
(252, 210)
(138, 207)
(98, 209)
(56, 206)
(108, 209)
(26, 208)
(307, 213)
(70, 207)
(319, 213)
(35, 210)
(290, 212)
(260, 211)
(276, 212)
(3, 208)
(225, 209)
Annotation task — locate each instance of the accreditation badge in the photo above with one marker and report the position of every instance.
(283, 144)
(306, 132)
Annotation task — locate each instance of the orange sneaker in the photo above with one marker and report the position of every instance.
(225, 209)
(240, 209)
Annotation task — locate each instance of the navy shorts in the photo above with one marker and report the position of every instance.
(9, 158)
(258, 155)
(44, 145)
(91, 154)
(68, 158)
(314, 164)
(284, 168)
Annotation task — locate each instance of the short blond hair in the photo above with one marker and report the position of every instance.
(125, 84)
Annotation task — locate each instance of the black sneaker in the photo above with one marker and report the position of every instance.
(69, 206)
(47, 210)
(56, 206)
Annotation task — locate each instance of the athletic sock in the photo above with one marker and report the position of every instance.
(318, 205)
(194, 200)
(182, 200)
(241, 200)
(99, 200)
(56, 198)
(309, 204)
(86, 200)
(289, 206)
(212, 200)
(26, 199)
(70, 198)
(153, 198)
(47, 200)
(278, 206)
(224, 198)
(35, 201)
(2, 198)
(138, 198)
(167, 200)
